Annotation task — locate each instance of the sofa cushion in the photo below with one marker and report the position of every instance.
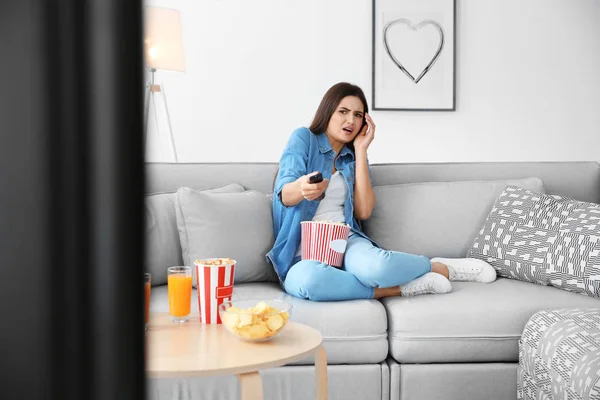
(234, 225)
(475, 322)
(545, 239)
(354, 332)
(163, 249)
(435, 219)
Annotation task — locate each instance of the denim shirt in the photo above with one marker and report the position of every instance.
(304, 153)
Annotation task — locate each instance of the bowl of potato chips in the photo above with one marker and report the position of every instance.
(255, 320)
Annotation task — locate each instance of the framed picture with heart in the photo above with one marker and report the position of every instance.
(413, 55)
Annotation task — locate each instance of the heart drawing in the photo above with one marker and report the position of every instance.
(416, 27)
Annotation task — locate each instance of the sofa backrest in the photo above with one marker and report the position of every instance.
(400, 228)
(579, 179)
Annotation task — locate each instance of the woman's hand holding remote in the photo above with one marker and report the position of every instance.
(294, 192)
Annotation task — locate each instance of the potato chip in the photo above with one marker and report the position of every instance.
(275, 322)
(259, 331)
(245, 320)
(230, 320)
(261, 307)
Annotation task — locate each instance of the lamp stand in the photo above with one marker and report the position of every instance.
(151, 89)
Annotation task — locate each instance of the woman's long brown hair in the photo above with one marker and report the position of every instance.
(329, 103)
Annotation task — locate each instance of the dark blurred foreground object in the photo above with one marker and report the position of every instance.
(71, 184)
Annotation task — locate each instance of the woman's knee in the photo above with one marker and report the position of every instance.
(385, 267)
(372, 268)
(379, 269)
(303, 279)
(389, 268)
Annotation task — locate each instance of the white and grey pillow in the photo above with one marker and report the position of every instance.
(544, 239)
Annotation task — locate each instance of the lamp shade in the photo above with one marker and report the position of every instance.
(163, 43)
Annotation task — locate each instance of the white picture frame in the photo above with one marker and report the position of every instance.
(414, 64)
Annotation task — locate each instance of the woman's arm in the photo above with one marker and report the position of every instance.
(364, 195)
(294, 192)
(291, 194)
(291, 184)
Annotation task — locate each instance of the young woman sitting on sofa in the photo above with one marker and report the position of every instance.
(336, 145)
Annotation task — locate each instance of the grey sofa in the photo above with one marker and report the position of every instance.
(462, 345)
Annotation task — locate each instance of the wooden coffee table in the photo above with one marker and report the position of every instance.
(193, 349)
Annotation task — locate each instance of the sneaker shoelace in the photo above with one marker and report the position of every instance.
(467, 273)
(427, 287)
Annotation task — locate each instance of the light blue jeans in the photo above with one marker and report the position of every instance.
(365, 268)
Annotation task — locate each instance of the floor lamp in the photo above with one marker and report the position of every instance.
(163, 49)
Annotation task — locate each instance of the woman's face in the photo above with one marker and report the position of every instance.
(346, 121)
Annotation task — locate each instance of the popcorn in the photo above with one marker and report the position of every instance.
(216, 261)
(331, 222)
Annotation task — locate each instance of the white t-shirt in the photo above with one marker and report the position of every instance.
(331, 208)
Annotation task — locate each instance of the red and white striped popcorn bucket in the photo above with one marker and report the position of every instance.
(215, 286)
(324, 241)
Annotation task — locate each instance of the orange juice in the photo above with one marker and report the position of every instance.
(180, 295)
(147, 305)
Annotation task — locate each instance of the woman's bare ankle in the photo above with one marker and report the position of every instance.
(440, 268)
(386, 292)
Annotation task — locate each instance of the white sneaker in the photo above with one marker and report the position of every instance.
(468, 269)
(429, 283)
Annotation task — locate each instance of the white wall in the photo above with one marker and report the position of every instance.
(527, 83)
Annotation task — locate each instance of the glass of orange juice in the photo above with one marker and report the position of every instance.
(147, 283)
(180, 293)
